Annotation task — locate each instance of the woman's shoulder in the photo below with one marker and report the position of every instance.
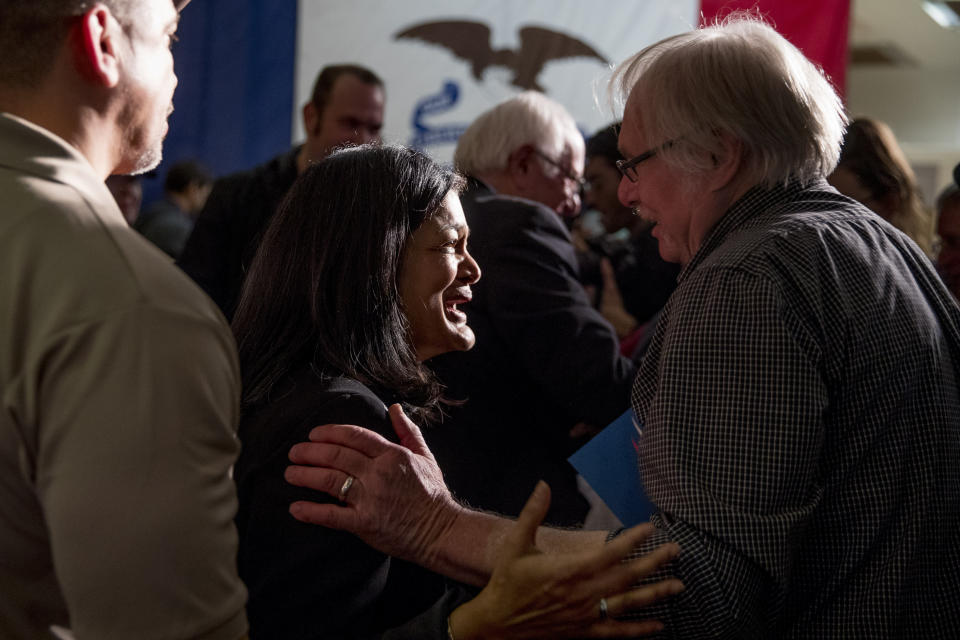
(337, 386)
(349, 401)
(304, 402)
(309, 399)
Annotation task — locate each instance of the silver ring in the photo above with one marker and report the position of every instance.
(345, 488)
(603, 608)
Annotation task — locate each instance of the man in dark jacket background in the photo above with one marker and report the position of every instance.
(346, 107)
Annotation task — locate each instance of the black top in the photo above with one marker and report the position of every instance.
(307, 581)
(166, 225)
(228, 230)
(544, 360)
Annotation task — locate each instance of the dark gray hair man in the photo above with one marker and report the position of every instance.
(799, 399)
(119, 380)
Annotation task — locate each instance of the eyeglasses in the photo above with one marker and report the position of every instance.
(567, 173)
(628, 167)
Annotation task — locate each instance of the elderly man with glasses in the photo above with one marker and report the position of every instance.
(545, 361)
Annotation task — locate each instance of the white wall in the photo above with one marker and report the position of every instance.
(417, 73)
(922, 108)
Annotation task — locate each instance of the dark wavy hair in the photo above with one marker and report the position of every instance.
(870, 151)
(322, 290)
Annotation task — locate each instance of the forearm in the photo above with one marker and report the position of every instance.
(400, 505)
(469, 547)
(536, 594)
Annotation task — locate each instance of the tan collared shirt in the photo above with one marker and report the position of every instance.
(119, 398)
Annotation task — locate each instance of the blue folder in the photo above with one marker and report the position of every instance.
(610, 465)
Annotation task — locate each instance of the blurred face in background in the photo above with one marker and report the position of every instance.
(352, 115)
(948, 260)
(603, 180)
(553, 181)
(196, 196)
(128, 192)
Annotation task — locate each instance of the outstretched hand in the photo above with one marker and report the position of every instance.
(398, 502)
(536, 595)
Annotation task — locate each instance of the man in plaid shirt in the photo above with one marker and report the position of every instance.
(800, 395)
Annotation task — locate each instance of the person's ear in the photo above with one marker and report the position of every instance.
(519, 163)
(311, 118)
(99, 36)
(728, 163)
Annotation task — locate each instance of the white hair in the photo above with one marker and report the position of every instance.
(527, 118)
(741, 78)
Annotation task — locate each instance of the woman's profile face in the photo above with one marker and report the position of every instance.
(435, 278)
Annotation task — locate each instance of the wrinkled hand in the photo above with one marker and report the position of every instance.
(398, 502)
(537, 595)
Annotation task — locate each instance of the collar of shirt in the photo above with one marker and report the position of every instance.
(28, 148)
(754, 202)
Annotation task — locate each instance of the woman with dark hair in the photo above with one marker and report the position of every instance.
(358, 280)
(873, 170)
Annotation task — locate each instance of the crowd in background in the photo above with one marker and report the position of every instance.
(872, 169)
(232, 444)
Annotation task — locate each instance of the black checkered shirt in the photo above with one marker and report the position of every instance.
(802, 428)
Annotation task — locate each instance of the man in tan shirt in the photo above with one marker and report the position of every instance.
(119, 384)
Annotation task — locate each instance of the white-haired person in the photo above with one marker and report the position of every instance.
(799, 398)
(546, 360)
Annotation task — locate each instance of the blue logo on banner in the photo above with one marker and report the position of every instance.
(423, 134)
